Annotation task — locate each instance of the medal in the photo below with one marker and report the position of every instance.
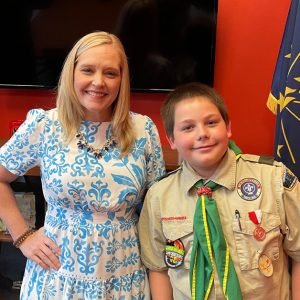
(259, 232)
(265, 265)
(174, 253)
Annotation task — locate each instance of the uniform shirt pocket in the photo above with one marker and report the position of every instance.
(180, 230)
(248, 248)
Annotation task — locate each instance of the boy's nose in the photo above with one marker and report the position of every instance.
(202, 132)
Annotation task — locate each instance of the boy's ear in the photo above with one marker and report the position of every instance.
(229, 132)
(171, 142)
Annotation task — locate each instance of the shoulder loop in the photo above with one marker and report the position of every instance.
(268, 160)
(169, 173)
(238, 156)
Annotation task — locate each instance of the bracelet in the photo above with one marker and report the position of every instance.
(23, 237)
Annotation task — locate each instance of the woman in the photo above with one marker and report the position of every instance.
(96, 159)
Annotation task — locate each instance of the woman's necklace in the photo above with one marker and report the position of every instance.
(97, 152)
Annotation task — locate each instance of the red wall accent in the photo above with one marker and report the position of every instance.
(249, 34)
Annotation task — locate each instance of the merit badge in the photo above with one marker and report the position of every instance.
(249, 189)
(256, 216)
(265, 265)
(174, 253)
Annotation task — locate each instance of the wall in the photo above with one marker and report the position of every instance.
(248, 40)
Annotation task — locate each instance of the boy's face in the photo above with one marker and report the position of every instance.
(200, 134)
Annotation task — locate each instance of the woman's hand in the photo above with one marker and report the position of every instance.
(42, 250)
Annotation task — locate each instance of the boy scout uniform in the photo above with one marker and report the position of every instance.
(258, 245)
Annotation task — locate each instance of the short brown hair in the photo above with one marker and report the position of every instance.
(185, 91)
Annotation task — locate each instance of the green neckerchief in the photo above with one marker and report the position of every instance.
(210, 247)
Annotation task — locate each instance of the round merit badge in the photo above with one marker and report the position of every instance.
(265, 265)
(174, 253)
(259, 233)
(249, 189)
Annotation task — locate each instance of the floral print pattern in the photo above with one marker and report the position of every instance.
(91, 206)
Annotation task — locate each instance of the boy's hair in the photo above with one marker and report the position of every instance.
(186, 91)
(70, 111)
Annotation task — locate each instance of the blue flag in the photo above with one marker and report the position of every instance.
(284, 99)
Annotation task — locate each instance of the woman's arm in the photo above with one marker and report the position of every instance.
(9, 211)
(36, 246)
(160, 285)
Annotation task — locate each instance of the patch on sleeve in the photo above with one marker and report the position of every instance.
(289, 179)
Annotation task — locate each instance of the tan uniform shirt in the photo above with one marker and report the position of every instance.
(248, 185)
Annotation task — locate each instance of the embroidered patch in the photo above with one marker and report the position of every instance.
(249, 189)
(289, 179)
(174, 253)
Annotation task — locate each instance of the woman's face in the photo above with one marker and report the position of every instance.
(97, 80)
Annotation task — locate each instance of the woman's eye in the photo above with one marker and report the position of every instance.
(86, 70)
(111, 74)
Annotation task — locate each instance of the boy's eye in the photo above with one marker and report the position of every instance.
(212, 122)
(187, 128)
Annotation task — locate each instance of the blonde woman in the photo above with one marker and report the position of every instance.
(96, 159)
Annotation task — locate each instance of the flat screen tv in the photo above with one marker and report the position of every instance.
(168, 42)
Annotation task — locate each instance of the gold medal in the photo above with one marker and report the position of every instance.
(259, 233)
(265, 265)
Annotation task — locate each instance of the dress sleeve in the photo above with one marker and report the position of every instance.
(23, 150)
(154, 156)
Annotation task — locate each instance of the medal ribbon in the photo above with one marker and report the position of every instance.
(207, 253)
(255, 216)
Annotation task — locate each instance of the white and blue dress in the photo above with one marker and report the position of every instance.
(91, 206)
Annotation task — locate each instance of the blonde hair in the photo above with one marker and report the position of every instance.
(70, 111)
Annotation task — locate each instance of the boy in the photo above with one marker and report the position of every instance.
(223, 224)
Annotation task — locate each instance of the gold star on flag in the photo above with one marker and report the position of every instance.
(278, 150)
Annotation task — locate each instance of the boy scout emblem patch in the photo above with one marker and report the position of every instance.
(174, 253)
(249, 189)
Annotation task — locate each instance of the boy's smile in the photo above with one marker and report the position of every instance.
(201, 135)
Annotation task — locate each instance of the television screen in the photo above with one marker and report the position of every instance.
(168, 42)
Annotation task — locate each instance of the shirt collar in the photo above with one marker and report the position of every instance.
(224, 175)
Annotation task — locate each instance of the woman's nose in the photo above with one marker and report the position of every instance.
(98, 80)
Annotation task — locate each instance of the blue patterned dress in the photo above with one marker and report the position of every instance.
(91, 202)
